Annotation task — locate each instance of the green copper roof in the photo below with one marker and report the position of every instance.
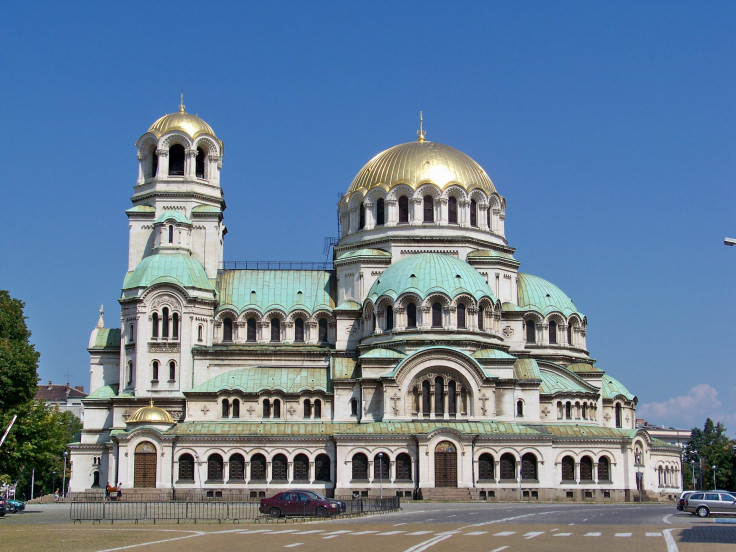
(422, 350)
(492, 353)
(365, 253)
(141, 209)
(105, 392)
(344, 368)
(491, 254)
(583, 368)
(383, 353)
(611, 388)
(349, 305)
(258, 378)
(176, 216)
(554, 382)
(107, 338)
(288, 290)
(206, 209)
(539, 295)
(173, 268)
(426, 273)
(583, 431)
(527, 369)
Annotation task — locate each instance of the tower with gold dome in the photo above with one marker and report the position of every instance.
(423, 342)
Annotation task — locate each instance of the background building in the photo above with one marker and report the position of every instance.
(63, 397)
(422, 363)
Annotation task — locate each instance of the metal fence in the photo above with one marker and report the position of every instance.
(205, 511)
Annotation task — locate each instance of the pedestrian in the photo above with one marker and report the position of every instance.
(56, 495)
(120, 490)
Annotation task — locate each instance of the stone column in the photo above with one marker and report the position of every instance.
(370, 219)
(189, 162)
(391, 214)
(442, 207)
(163, 162)
(415, 207)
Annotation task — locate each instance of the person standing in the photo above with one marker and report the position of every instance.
(120, 489)
(56, 495)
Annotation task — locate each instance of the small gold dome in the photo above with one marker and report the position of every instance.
(416, 163)
(189, 124)
(152, 415)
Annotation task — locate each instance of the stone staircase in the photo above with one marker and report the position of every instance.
(449, 494)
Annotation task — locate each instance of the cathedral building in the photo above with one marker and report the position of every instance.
(422, 362)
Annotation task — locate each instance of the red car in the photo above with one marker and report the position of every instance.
(300, 503)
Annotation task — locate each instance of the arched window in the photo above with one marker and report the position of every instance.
(520, 408)
(531, 332)
(307, 408)
(301, 468)
(403, 467)
(439, 396)
(403, 209)
(176, 160)
(488, 218)
(199, 164)
(251, 330)
(507, 466)
(485, 467)
(461, 316)
(278, 468)
(237, 467)
(436, 315)
(380, 213)
(175, 326)
(200, 331)
(585, 411)
(258, 467)
(552, 331)
(131, 335)
(154, 162)
(481, 318)
(569, 335)
(322, 330)
(276, 408)
(586, 468)
(380, 467)
(130, 372)
(604, 472)
(568, 468)
(473, 213)
(214, 468)
(411, 315)
(361, 211)
(317, 407)
(164, 322)
(353, 407)
(172, 371)
(428, 208)
(227, 329)
(275, 330)
(155, 370)
(322, 468)
(568, 410)
(360, 466)
(299, 330)
(452, 210)
(528, 467)
(426, 398)
(154, 325)
(618, 415)
(225, 408)
(266, 408)
(236, 408)
(389, 318)
(171, 233)
(186, 467)
(452, 398)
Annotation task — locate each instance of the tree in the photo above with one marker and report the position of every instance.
(18, 358)
(707, 448)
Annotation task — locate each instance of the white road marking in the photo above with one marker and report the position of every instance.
(592, 534)
(623, 534)
(532, 534)
(453, 532)
(368, 532)
(653, 534)
(390, 533)
(257, 531)
(283, 531)
(562, 534)
(472, 533)
(666, 519)
(197, 534)
(571, 524)
(504, 533)
(671, 545)
(398, 524)
(553, 530)
(330, 537)
(419, 533)
(338, 532)
(309, 532)
(426, 544)
(499, 548)
(292, 545)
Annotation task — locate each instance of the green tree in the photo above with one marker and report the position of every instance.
(707, 448)
(18, 358)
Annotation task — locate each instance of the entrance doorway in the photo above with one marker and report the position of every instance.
(145, 466)
(445, 465)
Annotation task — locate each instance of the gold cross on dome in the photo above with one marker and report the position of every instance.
(421, 133)
(181, 102)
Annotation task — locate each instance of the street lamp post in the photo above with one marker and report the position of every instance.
(380, 474)
(715, 486)
(692, 464)
(700, 466)
(637, 458)
(53, 481)
(199, 477)
(63, 480)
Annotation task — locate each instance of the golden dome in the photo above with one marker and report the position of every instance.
(185, 122)
(416, 163)
(152, 415)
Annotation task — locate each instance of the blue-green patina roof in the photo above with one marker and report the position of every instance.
(206, 209)
(491, 254)
(141, 209)
(173, 268)
(172, 215)
(553, 382)
(583, 368)
(527, 369)
(427, 273)
(288, 290)
(492, 353)
(611, 388)
(436, 348)
(105, 392)
(107, 338)
(537, 294)
(383, 353)
(365, 253)
(259, 378)
(349, 305)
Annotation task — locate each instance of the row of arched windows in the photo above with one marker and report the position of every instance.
(166, 325)
(177, 160)
(668, 476)
(585, 410)
(552, 332)
(586, 469)
(437, 316)
(155, 369)
(439, 396)
(381, 467)
(259, 468)
(251, 335)
(507, 467)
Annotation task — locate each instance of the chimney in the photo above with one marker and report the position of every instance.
(79, 388)
(50, 386)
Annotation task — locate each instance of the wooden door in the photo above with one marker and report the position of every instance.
(145, 466)
(445, 465)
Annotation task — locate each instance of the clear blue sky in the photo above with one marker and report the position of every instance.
(608, 127)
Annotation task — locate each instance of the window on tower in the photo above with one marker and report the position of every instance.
(473, 213)
(403, 209)
(176, 160)
(380, 213)
(452, 210)
(428, 208)
(199, 164)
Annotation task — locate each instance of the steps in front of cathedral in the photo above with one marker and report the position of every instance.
(449, 494)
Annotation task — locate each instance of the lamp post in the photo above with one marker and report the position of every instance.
(637, 459)
(692, 464)
(53, 481)
(63, 480)
(700, 466)
(380, 474)
(715, 486)
(199, 477)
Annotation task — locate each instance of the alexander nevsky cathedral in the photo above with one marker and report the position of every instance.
(421, 362)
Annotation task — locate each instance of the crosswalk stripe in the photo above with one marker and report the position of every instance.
(283, 531)
(338, 532)
(499, 548)
(292, 545)
(504, 534)
(532, 534)
(390, 533)
(473, 533)
(623, 534)
(368, 532)
(309, 532)
(420, 533)
(653, 534)
(562, 534)
(592, 534)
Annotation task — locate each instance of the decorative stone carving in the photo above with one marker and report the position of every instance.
(508, 331)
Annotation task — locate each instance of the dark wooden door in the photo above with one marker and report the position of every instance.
(145, 466)
(445, 465)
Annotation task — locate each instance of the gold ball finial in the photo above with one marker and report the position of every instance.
(421, 133)
(181, 103)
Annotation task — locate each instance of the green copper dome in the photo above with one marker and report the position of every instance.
(427, 273)
(179, 269)
(612, 388)
(537, 294)
(176, 216)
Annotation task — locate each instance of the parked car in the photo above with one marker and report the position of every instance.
(3, 507)
(681, 500)
(15, 505)
(708, 503)
(300, 503)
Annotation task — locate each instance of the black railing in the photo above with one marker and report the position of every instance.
(274, 265)
(210, 511)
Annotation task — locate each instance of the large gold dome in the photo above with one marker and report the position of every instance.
(185, 122)
(416, 163)
(152, 415)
